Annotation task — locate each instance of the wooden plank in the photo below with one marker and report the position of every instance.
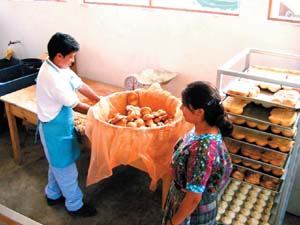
(24, 114)
(7, 220)
(11, 217)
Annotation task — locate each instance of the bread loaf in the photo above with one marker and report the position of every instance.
(286, 97)
(234, 105)
(284, 145)
(284, 117)
(241, 88)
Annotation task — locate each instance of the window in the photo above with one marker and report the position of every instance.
(285, 10)
(230, 7)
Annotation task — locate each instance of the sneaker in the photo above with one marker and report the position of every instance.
(84, 211)
(51, 202)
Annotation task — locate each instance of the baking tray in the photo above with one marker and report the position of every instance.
(253, 112)
(260, 147)
(256, 131)
(265, 132)
(269, 199)
(284, 166)
(265, 98)
(279, 186)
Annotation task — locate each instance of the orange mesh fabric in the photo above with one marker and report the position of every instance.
(112, 145)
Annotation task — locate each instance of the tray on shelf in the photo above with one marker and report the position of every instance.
(263, 176)
(243, 123)
(235, 192)
(253, 112)
(283, 167)
(264, 98)
(260, 147)
(260, 132)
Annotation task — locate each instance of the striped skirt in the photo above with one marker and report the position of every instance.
(204, 214)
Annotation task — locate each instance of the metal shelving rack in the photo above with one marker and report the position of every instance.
(237, 68)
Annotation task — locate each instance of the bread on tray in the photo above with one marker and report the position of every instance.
(286, 97)
(281, 116)
(246, 89)
(234, 104)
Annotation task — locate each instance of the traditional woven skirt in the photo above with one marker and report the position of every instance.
(204, 214)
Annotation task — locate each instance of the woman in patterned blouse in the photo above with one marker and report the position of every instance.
(201, 164)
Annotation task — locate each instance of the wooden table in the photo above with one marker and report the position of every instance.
(22, 104)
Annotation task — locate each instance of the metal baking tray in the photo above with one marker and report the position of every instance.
(279, 186)
(260, 114)
(265, 132)
(260, 147)
(264, 97)
(270, 197)
(256, 131)
(284, 166)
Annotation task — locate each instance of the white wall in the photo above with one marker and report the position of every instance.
(116, 41)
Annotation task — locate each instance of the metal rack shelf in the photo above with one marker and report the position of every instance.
(239, 67)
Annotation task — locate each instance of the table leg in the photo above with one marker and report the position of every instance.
(166, 181)
(13, 130)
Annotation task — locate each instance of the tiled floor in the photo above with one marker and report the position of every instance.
(123, 199)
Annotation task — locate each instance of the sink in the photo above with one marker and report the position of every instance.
(4, 63)
(16, 74)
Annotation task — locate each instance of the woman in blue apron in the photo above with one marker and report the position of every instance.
(56, 100)
(200, 164)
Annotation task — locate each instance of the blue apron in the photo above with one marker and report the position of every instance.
(60, 136)
(61, 139)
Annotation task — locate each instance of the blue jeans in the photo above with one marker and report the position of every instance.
(63, 181)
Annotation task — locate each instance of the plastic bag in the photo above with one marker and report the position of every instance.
(112, 145)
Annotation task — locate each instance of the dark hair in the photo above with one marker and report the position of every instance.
(202, 95)
(62, 43)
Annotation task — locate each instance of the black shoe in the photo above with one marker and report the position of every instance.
(84, 211)
(60, 200)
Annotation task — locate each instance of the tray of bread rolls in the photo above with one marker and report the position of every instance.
(259, 179)
(263, 140)
(259, 166)
(277, 117)
(269, 156)
(289, 133)
(243, 203)
(266, 93)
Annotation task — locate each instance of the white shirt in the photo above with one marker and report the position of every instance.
(55, 88)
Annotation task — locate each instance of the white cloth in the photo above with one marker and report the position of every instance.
(55, 89)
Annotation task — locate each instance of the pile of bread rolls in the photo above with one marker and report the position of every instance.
(136, 116)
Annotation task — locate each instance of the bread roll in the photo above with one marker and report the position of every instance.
(284, 117)
(234, 105)
(286, 97)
